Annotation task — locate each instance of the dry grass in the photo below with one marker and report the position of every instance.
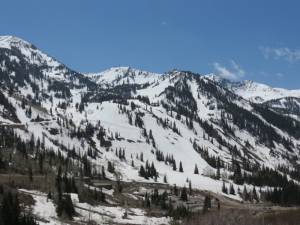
(42, 183)
(245, 217)
(286, 217)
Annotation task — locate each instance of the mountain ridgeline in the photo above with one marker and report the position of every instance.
(167, 128)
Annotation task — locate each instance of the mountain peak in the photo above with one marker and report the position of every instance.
(213, 77)
(8, 41)
(124, 74)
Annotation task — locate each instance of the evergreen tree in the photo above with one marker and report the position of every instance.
(65, 207)
(183, 195)
(231, 190)
(190, 188)
(180, 167)
(254, 195)
(175, 190)
(103, 173)
(10, 210)
(196, 171)
(246, 196)
(147, 201)
(218, 169)
(174, 165)
(207, 204)
(224, 188)
(165, 179)
(110, 167)
(237, 175)
(58, 181)
(142, 171)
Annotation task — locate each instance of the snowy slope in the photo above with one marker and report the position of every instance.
(259, 93)
(45, 211)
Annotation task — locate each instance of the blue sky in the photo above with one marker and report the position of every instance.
(237, 39)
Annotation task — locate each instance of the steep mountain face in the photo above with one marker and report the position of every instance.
(169, 124)
(281, 100)
(289, 106)
(27, 69)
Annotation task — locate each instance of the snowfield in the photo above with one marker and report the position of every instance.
(44, 210)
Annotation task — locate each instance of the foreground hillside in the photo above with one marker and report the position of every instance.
(175, 133)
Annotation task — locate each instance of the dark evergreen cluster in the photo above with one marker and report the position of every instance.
(10, 111)
(65, 207)
(213, 161)
(64, 184)
(31, 73)
(288, 194)
(64, 201)
(182, 98)
(148, 171)
(183, 194)
(264, 177)
(99, 195)
(102, 138)
(149, 137)
(169, 160)
(159, 156)
(291, 105)
(294, 173)
(156, 199)
(138, 120)
(254, 125)
(11, 212)
(120, 154)
(291, 126)
(118, 94)
(207, 203)
(179, 212)
(212, 133)
(246, 120)
(249, 195)
(22, 69)
(143, 99)
(37, 148)
(62, 90)
(237, 173)
(110, 167)
(167, 124)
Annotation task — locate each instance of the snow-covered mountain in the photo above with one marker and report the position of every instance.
(259, 93)
(179, 121)
(281, 100)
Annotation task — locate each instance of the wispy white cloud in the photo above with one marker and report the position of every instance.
(285, 53)
(234, 72)
(279, 75)
(271, 75)
(164, 23)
